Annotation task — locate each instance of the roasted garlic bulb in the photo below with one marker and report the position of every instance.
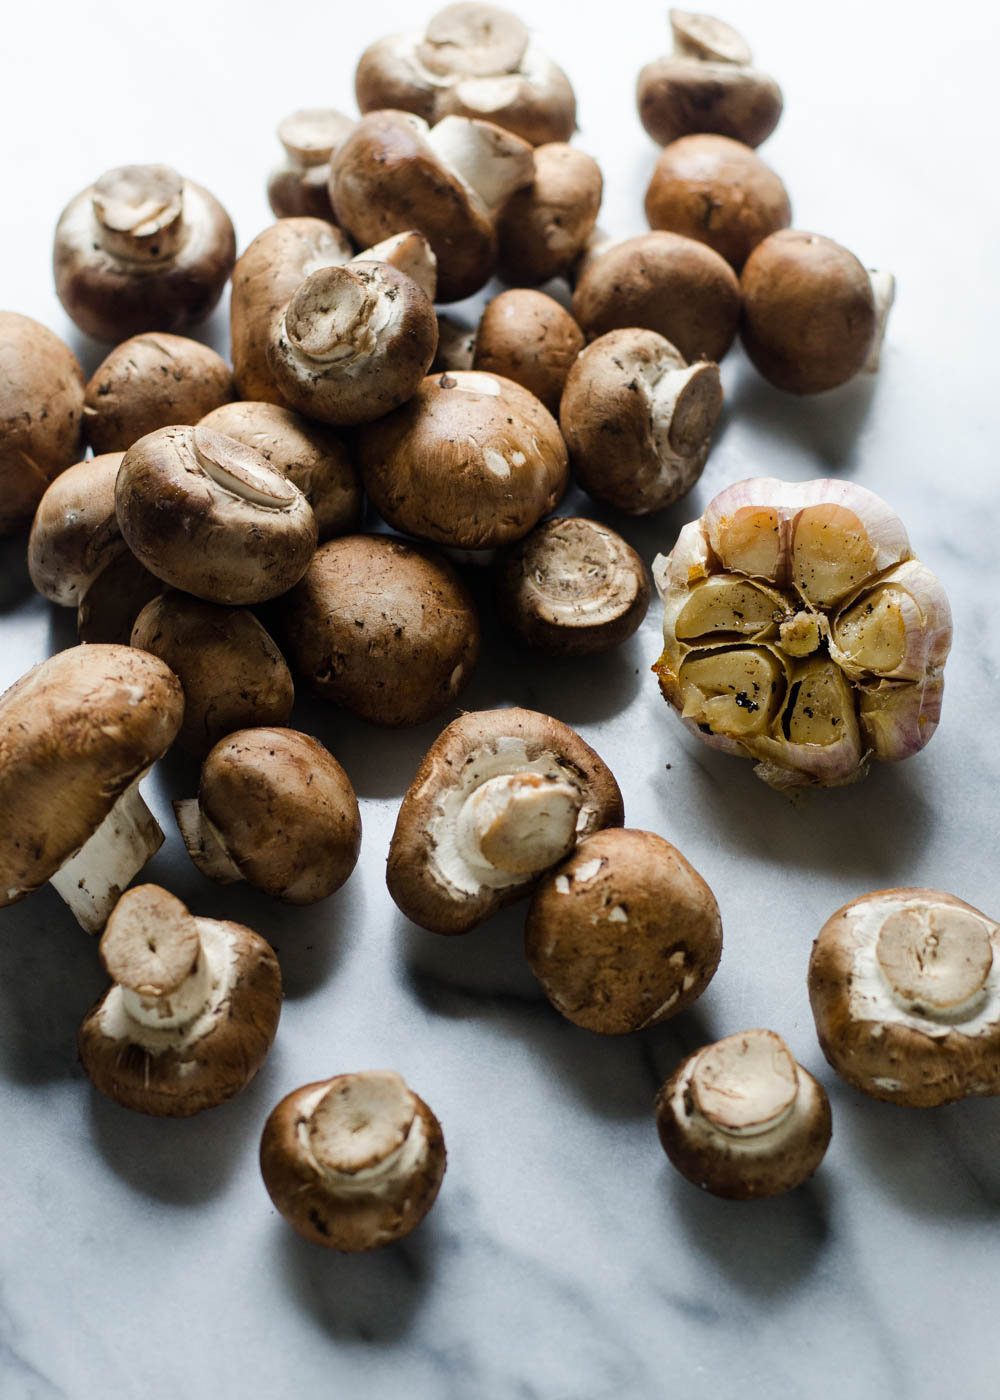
(800, 631)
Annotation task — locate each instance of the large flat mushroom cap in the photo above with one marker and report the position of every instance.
(75, 732)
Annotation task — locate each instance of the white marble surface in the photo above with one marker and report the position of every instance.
(565, 1260)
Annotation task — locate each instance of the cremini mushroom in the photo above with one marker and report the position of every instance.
(384, 627)
(298, 187)
(624, 933)
(209, 516)
(75, 531)
(275, 808)
(150, 382)
(77, 734)
(799, 630)
(905, 991)
(41, 415)
(192, 1012)
(143, 249)
(543, 227)
(230, 669)
(528, 337)
(708, 83)
(472, 60)
(717, 191)
(501, 796)
(472, 460)
(353, 1162)
(572, 587)
(638, 420)
(742, 1119)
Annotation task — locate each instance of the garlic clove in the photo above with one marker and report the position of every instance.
(735, 691)
(898, 717)
(728, 603)
(898, 628)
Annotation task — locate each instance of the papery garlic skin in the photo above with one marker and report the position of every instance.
(800, 631)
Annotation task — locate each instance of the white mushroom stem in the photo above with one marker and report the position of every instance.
(92, 880)
(884, 290)
(363, 1133)
(492, 162)
(519, 823)
(138, 212)
(746, 1084)
(409, 253)
(684, 404)
(241, 471)
(708, 39)
(475, 40)
(311, 135)
(336, 317)
(204, 844)
(936, 959)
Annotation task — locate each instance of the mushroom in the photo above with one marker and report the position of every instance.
(230, 670)
(707, 84)
(41, 415)
(472, 460)
(298, 187)
(353, 343)
(472, 60)
(143, 249)
(529, 338)
(107, 611)
(353, 1162)
(800, 631)
(813, 317)
(192, 1013)
(383, 627)
(638, 420)
(742, 1119)
(500, 797)
(394, 173)
(309, 454)
(572, 588)
(624, 933)
(717, 191)
(662, 282)
(209, 516)
(905, 991)
(543, 227)
(75, 531)
(150, 382)
(77, 734)
(275, 808)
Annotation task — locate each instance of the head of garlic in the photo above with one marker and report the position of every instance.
(800, 631)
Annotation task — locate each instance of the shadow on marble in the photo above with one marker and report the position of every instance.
(826, 426)
(15, 581)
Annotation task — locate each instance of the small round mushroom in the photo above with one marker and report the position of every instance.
(309, 454)
(353, 343)
(719, 192)
(75, 532)
(209, 516)
(742, 1119)
(150, 382)
(529, 338)
(77, 733)
(143, 249)
(472, 460)
(810, 317)
(107, 611)
(41, 415)
(298, 187)
(638, 420)
(383, 627)
(275, 808)
(230, 669)
(707, 84)
(353, 1162)
(572, 588)
(904, 986)
(192, 1013)
(662, 282)
(500, 797)
(543, 227)
(624, 933)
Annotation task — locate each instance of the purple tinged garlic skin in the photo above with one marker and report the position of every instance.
(800, 631)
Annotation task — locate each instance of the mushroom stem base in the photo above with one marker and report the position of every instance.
(92, 881)
(203, 843)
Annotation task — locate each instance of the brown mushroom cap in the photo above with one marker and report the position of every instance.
(75, 531)
(383, 627)
(624, 933)
(719, 192)
(666, 283)
(809, 315)
(742, 1119)
(108, 609)
(572, 588)
(499, 797)
(150, 382)
(209, 516)
(298, 187)
(543, 227)
(41, 415)
(193, 1012)
(473, 460)
(905, 991)
(232, 673)
(353, 1162)
(142, 250)
(529, 338)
